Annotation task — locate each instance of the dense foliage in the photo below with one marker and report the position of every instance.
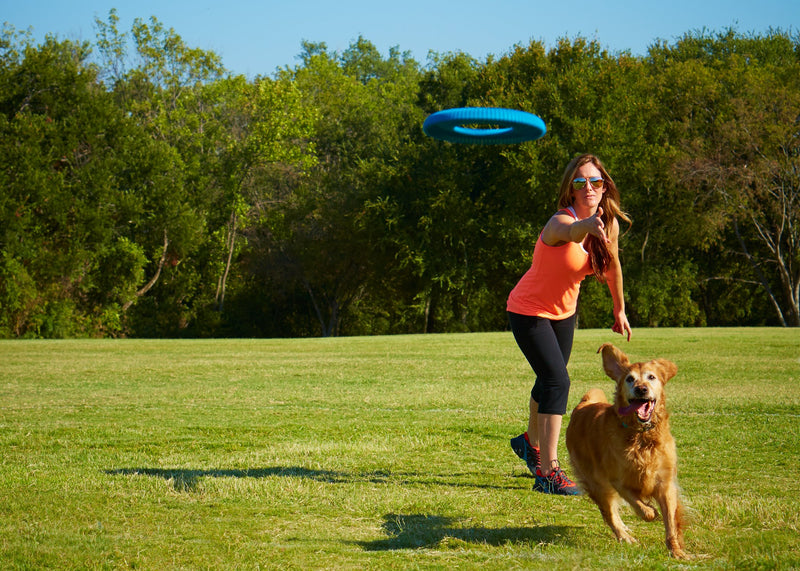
(146, 191)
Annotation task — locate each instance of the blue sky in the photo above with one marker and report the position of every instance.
(257, 37)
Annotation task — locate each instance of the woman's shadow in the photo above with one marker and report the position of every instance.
(185, 480)
(426, 531)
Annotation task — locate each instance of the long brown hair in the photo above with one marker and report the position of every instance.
(599, 255)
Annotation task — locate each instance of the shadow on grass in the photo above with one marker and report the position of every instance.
(186, 479)
(425, 531)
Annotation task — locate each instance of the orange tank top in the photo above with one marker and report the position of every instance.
(551, 286)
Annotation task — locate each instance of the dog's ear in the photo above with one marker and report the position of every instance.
(667, 369)
(615, 362)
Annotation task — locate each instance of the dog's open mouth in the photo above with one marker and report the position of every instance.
(643, 408)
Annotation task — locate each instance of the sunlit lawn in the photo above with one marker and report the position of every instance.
(372, 452)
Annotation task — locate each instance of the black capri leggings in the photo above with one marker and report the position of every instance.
(546, 344)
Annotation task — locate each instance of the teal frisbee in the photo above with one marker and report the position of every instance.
(484, 126)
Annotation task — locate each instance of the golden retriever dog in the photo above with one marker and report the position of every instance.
(626, 449)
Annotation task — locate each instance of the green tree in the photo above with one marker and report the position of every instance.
(73, 170)
(167, 88)
(320, 239)
(742, 156)
(274, 132)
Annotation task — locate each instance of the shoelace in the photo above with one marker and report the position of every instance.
(559, 477)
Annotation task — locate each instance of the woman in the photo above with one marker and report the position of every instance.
(582, 238)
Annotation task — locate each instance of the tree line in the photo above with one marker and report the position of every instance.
(147, 191)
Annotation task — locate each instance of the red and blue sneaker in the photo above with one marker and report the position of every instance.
(528, 453)
(555, 483)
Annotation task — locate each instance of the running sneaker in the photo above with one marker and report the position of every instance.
(556, 483)
(528, 453)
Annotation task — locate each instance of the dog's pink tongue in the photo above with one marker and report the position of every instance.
(639, 406)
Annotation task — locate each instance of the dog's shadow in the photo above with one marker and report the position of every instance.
(428, 531)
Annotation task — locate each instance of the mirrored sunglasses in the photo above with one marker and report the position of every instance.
(595, 181)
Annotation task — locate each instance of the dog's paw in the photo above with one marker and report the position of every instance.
(679, 553)
(649, 513)
(676, 549)
(644, 510)
(624, 537)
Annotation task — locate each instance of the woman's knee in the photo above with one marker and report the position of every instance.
(551, 394)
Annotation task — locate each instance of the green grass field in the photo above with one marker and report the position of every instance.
(372, 453)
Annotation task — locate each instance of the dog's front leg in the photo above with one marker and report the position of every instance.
(642, 509)
(672, 509)
(609, 509)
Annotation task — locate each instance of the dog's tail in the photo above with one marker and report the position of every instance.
(593, 395)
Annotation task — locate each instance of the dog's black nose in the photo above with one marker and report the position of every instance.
(640, 392)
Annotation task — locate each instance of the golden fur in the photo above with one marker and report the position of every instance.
(626, 449)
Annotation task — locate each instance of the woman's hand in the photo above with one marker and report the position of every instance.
(595, 225)
(563, 228)
(621, 325)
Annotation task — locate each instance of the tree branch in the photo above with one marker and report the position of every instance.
(154, 279)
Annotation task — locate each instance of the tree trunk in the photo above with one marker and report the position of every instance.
(761, 277)
(154, 279)
(219, 298)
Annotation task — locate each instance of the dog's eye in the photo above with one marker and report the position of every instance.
(630, 379)
(651, 377)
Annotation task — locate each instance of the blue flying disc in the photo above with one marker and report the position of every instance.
(508, 126)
